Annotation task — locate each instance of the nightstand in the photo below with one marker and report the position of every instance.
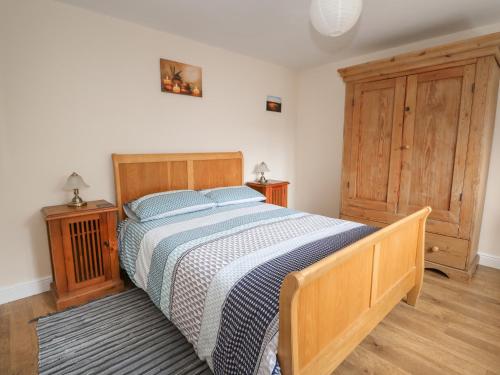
(276, 192)
(83, 252)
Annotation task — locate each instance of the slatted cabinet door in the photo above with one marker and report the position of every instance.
(435, 137)
(373, 156)
(85, 250)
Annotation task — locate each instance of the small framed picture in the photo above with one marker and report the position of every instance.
(273, 103)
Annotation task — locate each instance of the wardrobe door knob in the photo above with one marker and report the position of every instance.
(405, 147)
(435, 249)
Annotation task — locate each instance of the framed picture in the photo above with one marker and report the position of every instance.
(180, 78)
(273, 104)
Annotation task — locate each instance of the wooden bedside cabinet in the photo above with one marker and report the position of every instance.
(276, 192)
(83, 252)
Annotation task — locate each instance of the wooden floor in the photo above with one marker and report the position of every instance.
(455, 329)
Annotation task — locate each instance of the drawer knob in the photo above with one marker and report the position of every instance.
(435, 249)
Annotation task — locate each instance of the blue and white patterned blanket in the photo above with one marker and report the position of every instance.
(216, 274)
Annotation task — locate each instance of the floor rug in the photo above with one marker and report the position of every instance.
(121, 334)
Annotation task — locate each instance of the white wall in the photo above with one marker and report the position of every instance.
(320, 122)
(3, 142)
(2, 89)
(82, 86)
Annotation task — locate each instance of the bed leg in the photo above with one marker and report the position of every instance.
(412, 296)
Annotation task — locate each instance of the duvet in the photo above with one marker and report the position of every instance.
(216, 274)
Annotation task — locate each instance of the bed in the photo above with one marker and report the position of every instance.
(258, 288)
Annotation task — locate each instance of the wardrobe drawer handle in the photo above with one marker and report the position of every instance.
(405, 147)
(435, 249)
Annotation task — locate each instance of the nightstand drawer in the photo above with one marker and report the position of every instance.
(448, 251)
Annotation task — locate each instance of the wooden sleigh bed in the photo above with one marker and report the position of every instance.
(326, 309)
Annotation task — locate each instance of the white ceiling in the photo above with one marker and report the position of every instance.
(279, 30)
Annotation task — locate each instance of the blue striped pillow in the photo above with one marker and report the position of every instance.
(169, 203)
(233, 195)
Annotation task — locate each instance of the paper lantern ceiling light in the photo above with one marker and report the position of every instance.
(335, 17)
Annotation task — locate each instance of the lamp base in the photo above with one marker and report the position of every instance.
(76, 201)
(79, 204)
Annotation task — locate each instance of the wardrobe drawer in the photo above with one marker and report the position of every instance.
(448, 251)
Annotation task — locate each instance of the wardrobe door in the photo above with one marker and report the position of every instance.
(372, 147)
(435, 137)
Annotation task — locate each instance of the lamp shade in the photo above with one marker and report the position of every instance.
(335, 17)
(262, 168)
(75, 181)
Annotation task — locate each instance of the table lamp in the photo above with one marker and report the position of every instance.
(75, 182)
(262, 168)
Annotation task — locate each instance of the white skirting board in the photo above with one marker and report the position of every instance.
(37, 286)
(489, 260)
(26, 289)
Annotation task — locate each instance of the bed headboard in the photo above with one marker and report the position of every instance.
(139, 174)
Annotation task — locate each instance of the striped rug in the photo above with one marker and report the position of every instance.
(120, 334)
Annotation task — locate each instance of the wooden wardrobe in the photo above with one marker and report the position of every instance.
(418, 131)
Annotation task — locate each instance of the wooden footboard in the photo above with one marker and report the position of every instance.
(327, 309)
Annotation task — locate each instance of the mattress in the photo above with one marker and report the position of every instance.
(216, 274)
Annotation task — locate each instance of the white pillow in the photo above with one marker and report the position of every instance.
(233, 195)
